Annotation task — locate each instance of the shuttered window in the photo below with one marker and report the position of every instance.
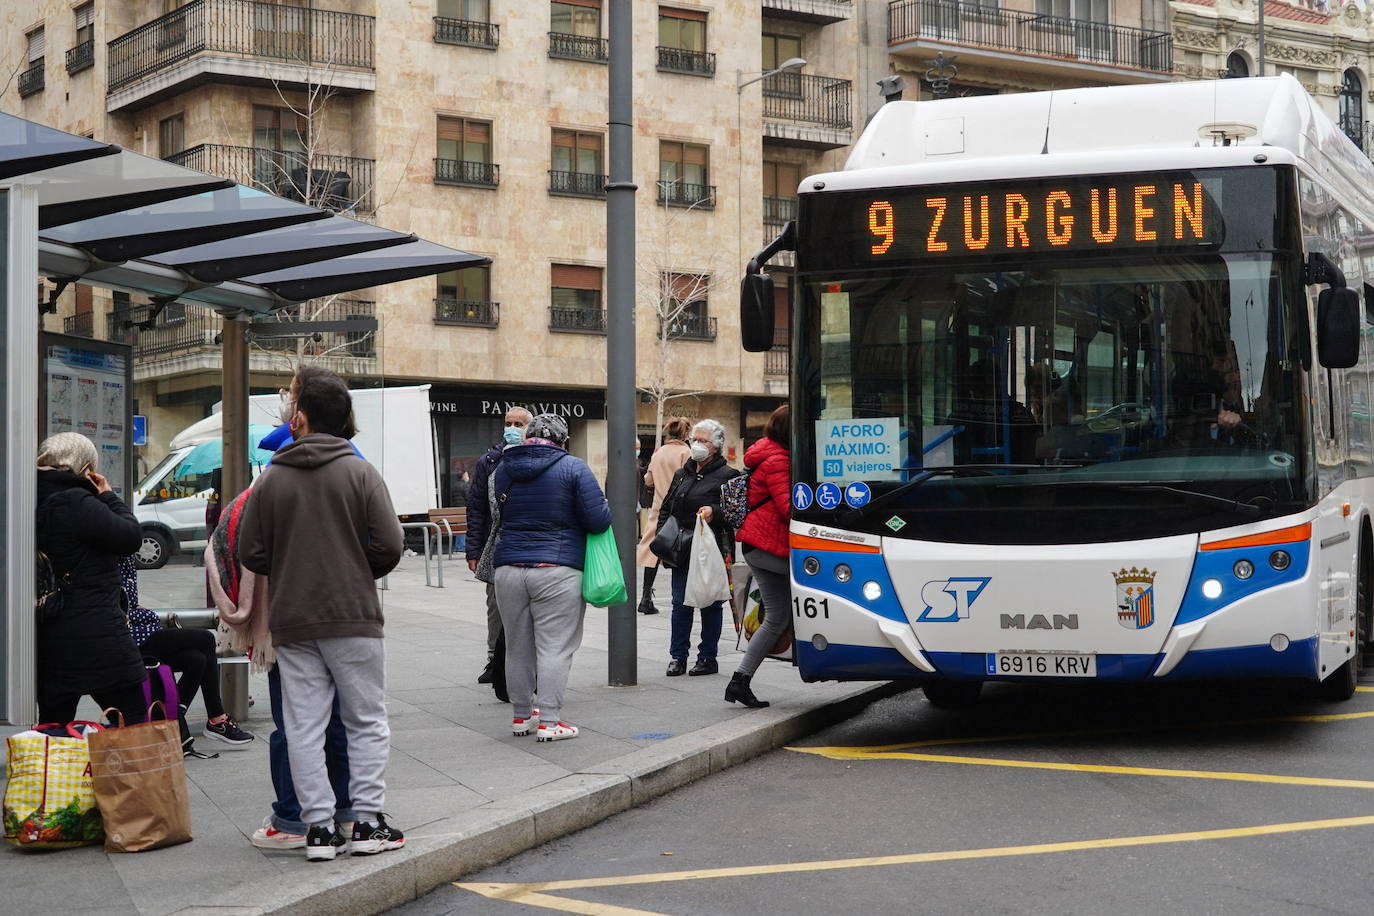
(465, 139)
(576, 17)
(36, 45)
(569, 276)
(685, 29)
(683, 162)
(85, 23)
(576, 151)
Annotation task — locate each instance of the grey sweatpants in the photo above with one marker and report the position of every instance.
(541, 610)
(493, 620)
(776, 591)
(311, 673)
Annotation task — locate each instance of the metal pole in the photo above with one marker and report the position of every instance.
(621, 668)
(234, 410)
(1261, 37)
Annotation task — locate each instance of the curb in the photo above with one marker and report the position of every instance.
(501, 829)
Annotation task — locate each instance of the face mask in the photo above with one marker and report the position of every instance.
(699, 451)
(287, 409)
(513, 435)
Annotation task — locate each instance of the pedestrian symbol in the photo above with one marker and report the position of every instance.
(801, 496)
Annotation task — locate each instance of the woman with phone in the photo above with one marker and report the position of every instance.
(84, 528)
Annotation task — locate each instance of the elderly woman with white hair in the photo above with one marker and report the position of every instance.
(695, 491)
(85, 646)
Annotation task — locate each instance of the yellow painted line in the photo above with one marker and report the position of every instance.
(1364, 689)
(844, 753)
(1100, 732)
(520, 893)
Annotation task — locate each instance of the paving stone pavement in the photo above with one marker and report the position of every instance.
(466, 792)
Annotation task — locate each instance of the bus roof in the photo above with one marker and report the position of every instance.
(1108, 129)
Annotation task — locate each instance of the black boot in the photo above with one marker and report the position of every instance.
(646, 603)
(738, 690)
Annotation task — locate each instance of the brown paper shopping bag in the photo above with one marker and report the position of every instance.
(140, 784)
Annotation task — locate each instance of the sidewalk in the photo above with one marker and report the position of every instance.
(466, 792)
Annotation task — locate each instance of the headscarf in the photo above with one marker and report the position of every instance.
(548, 426)
(67, 452)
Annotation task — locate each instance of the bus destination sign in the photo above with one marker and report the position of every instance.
(1089, 213)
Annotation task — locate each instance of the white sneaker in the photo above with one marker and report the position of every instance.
(521, 727)
(269, 837)
(558, 731)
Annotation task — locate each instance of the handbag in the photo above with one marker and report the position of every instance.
(49, 799)
(139, 779)
(672, 544)
(603, 579)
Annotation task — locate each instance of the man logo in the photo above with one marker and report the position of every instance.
(949, 600)
(1040, 622)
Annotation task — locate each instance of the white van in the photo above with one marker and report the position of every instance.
(395, 433)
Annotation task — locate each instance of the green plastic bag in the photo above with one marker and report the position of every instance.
(603, 581)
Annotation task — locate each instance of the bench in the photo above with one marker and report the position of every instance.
(454, 524)
(233, 670)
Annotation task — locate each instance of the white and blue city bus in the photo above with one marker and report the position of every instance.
(1081, 391)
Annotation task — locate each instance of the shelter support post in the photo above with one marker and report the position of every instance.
(235, 409)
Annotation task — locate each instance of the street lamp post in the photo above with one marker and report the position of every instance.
(792, 63)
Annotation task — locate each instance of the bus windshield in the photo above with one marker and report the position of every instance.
(1051, 401)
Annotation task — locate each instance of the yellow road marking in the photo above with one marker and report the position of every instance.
(1364, 689)
(844, 753)
(1100, 732)
(534, 893)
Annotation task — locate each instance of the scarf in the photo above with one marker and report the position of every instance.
(239, 595)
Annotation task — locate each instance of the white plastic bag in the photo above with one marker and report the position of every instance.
(707, 582)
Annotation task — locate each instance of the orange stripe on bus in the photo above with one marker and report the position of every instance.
(802, 542)
(1281, 536)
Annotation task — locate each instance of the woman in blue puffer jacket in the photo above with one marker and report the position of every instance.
(547, 502)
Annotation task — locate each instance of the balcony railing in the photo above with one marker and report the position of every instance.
(778, 210)
(329, 343)
(579, 47)
(264, 31)
(466, 32)
(677, 194)
(681, 60)
(339, 183)
(689, 327)
(81, 56)
(82, 324)
(779, 357)
(577, 184)
(178, 328)
(466, 172)
(583, 320)
(806, 99)
(31, 80)
(1029, 33)
(472, 312)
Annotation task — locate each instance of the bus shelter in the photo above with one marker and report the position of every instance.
(76, 210)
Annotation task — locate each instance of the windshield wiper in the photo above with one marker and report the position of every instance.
(926, 475)
(1235, 505)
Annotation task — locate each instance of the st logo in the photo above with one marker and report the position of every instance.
(949, 600)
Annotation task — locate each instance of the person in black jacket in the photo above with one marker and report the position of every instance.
(84, 528)
(695, 491)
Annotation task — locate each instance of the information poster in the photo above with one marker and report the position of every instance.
(868, 449)
(87, 391)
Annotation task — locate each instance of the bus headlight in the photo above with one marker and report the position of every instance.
(1243, 569)
(1280, 560)
(811, 565)
(872, 591)
(843, 573)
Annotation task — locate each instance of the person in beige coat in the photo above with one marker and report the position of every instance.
(666, 460)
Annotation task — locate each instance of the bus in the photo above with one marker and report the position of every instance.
(1080, 388)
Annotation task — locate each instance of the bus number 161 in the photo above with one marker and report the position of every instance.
(810, 607)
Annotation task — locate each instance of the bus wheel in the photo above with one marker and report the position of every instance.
(952, 694)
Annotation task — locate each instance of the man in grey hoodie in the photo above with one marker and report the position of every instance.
(321, 524)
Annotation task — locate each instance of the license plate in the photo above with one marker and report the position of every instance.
(1042, 664)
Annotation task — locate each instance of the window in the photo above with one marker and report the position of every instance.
(36, 45)
(279, 151)
(577, 151)
(575, 297)
(472, 284)
(1237, 67)
(85, 23)
(780, 180)
(576, 17)
(1088, 10)
(465, 139)
(1351, 105)
(684, 29)
(471, 10)
(776, 50)
(683, 172)
(686, 307)
(278, 129)
(171, 135)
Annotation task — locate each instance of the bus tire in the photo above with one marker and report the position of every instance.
(154, 551)
(952, 694)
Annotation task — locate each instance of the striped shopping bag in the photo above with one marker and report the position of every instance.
(50, 798)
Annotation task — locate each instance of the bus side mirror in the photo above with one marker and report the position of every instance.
(1338, 328)
(756, 312)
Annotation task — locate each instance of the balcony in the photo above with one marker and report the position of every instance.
(473, 313)
(576, 320)
(678, 194)
(362, 344)
(82, 324)
(467, 173)
(778, 210)
(579, 47)
(681, 60)
(1091, 52)
(815, 12)
(81, 57)
(466, 32)
(577, 184)
(800, 109)
(240, 41)
(777, 360)
(339, 183)
(31, 80)
(688, 326)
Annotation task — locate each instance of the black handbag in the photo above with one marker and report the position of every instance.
(672, 545)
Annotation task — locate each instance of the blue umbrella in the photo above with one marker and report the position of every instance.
(209, 456)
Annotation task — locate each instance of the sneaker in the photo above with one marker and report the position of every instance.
(227, 731)
(521, 727)
(485, 676)
(556, 732)
(323, 843)
(269, 837)
(370, 839)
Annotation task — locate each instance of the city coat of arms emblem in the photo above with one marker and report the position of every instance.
(1135, 597)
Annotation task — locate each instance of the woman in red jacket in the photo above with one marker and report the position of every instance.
(764, 536)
